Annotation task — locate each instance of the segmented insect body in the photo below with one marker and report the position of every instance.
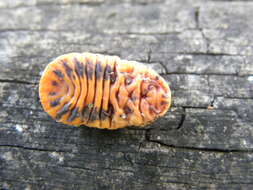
(102, 91)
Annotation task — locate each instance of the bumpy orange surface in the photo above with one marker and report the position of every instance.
(102, 91)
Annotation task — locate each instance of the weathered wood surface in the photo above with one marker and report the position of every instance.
(203, 49)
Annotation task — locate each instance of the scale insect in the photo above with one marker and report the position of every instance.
(102, 91)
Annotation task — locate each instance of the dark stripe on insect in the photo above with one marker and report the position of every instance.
(55, 102)
(59, 73)
(79, 67)
(110, 113)
(104, 115)
(108, 70)
(128, 80)
(127, 110)
(110, 110)
(86, 112)
(113, 77)
(52, 93)
(153, 109)
(164, 103)
(94, 115)
(89, 69)
(151, 87)
(133, 98)
(54, 83)
(74, 114)
(113, 74)
(68, 69)
(63, 111)
(98, 70)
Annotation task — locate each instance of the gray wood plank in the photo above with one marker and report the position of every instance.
(202, 48)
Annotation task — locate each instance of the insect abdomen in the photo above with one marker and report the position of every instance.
(102, 91)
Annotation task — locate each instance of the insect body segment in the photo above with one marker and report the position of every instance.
(102, 91)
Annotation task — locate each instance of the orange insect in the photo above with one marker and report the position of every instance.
(102, 91)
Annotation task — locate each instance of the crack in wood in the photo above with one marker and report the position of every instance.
(204, 149)
(79, 168)
(149, 55)
(206, 74)
(17, 81)
(31, 148)
(164, 67)
(56, 4)
(196, 16)
(182, 120)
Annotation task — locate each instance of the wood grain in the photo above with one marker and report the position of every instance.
(202, 48)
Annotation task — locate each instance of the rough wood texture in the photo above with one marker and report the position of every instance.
(204, 50)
